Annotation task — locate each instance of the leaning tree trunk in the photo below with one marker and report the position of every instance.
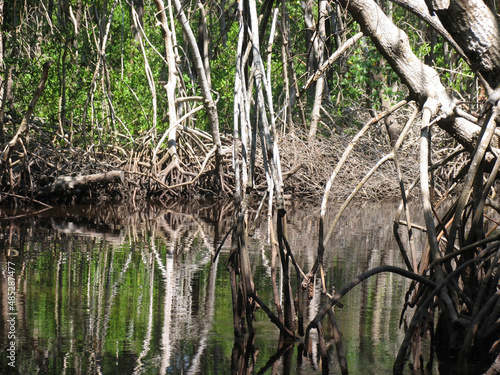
(203, 44)
(24, 127)
(476, 29)
(422, 81)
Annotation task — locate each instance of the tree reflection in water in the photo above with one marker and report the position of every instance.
(105, 289)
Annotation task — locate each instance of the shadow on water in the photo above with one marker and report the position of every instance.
(128, 290)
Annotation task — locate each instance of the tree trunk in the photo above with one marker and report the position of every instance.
(171, 84)
(422, 81)
(203, 45)
(284, 60)
(209, 103)
(138, 7)
(24, 127)
(222, 22)
(477, 30)
(310, 37)
(320, 84)
(67, 183)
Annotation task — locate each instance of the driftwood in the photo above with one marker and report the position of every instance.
(66, 183)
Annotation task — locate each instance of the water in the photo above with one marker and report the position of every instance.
(132, 290)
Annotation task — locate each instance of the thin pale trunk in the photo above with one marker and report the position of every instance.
(284, 60)
(320, 84)
(243, 287)
(101, 48)
(241, 123)
(203, 44)
(62, 95)
(171, 85)
(271, 159)
(269, 147)
(209, 103)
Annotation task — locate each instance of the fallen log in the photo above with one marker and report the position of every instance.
(67, 183)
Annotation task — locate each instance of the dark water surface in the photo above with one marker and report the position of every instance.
(129, 290)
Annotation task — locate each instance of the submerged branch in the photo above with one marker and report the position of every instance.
(342, 292)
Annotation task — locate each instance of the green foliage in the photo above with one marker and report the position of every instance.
(69, 90)
(83, 84)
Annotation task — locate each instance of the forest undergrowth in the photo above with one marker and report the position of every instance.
(40, 162)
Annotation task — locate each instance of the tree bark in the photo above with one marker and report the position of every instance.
(284, 60)
(477, 30)
(203, 44)
(171, 84)
(393, 43)
(311, 41)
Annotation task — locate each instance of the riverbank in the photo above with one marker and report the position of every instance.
(43, 170)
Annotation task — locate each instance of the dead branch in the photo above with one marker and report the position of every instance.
(24, 127)
(322, 69)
